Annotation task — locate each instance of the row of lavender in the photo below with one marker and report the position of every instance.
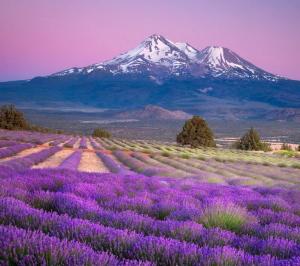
(156, 164)
(118, 219)
(30, 137)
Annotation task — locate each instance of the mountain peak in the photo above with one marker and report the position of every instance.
(152, 53)
(156, 37)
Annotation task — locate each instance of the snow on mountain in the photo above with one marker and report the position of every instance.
(154, 49)
(154, 54)
(190, 51)
(159, 57)
(222, 61)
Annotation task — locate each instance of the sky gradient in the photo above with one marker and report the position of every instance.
(42, 37)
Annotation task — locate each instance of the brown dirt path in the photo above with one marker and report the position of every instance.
(55, 160)
(24, 153)
(89, 145)
(90, 162)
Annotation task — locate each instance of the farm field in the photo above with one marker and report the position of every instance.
(132, 202)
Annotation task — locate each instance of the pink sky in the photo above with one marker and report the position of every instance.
(42, 37)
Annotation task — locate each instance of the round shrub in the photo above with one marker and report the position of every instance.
(196, 133)
(101, 133)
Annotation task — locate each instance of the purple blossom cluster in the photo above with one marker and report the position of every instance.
(116, 219)
(25, 247)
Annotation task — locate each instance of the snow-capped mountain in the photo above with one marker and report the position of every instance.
(214, 81)
(159, 57)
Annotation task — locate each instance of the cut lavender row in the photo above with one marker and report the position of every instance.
(72, 161)
(83, 143)
(137, 165)
(22, 163)
(112, 165)
(27, 136)
(96, 145)
(12, 150)
(7, 143)
(58, 141)
(70, 143)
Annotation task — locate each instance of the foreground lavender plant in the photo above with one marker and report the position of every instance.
(23, 247)
(26, 247)
(65, 217)
(121, 243)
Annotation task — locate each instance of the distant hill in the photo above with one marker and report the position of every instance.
(152, 112)
(288, 114)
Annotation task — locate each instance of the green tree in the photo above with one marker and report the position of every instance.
(101, 133)
(251, 142)
(11, 118)
(196, 133)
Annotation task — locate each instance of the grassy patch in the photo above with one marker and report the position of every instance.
(226, 216)
(287, 153)
(165, 154)
(185, 156)
(282, 165)
(296, 165)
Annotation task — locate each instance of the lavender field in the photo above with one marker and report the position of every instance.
(71, 200)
